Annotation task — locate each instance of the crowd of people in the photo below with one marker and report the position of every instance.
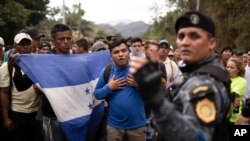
(153, 91)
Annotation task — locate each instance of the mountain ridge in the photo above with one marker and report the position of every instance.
(125, 28)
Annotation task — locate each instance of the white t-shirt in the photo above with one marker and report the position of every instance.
(172, 70)
(26, 101)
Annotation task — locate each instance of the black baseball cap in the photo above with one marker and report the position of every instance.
(34, 33)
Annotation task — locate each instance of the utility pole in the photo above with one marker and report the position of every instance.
(198, 5)
(63, 12)
(79, 22)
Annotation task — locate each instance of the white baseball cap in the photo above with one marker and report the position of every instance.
(171, 47)
(1, 41)
(20, 36)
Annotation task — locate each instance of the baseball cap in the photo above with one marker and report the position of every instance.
(34, 33)
(1, 41)
(164, 42)
(45, 44)
(20, 36)
(98, 46)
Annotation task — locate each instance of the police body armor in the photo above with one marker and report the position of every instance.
(198, 103)
(176, 93)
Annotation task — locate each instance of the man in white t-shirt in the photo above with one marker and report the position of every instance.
(171, 67)
(19, 109)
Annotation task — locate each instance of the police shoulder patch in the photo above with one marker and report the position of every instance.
(201, 91)
(205, 110)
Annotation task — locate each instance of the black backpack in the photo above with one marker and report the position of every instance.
(10, 70)
(107, 72)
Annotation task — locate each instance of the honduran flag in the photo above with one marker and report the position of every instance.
(68, 81)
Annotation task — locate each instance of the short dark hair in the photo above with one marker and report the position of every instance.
(227, 47)
(98, 38)
(136, 39)
(82, 43)
(59, 28)
(151, 42)
(116, 42)
(110, 37)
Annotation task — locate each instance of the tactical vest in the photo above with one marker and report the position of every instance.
(221, 132)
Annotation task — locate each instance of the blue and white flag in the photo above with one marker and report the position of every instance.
(68, 81)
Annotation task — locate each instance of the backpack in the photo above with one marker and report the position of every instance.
(107, 72)
(10, 70)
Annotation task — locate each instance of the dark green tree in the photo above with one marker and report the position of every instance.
(18, 14)
(231, 19)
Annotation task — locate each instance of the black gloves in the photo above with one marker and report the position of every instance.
(149, 81)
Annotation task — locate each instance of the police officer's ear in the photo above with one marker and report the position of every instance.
(212, 42)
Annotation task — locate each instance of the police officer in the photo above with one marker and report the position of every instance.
(197, 103)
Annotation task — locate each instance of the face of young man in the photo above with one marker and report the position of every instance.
(62, 42)
(151, 52)
(120, 55)
(77, 49)
(194, 44)
(244, 57)
(137, 46)
(226, 54)
(35, 44)
(45, 50)
(24, 46)
(163, 51)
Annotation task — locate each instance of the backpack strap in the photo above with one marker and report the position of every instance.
(10, 69)
(107, 73)
(213, 70)
(217, 72)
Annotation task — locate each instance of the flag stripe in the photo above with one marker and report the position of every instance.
(77, 96)
(76, 69)
(68, 81)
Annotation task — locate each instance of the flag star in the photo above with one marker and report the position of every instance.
(87, 91)
(90, 106)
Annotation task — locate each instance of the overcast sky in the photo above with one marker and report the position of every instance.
(103, 11)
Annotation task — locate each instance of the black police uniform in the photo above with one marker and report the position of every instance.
(197, 103)
(197, 108)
